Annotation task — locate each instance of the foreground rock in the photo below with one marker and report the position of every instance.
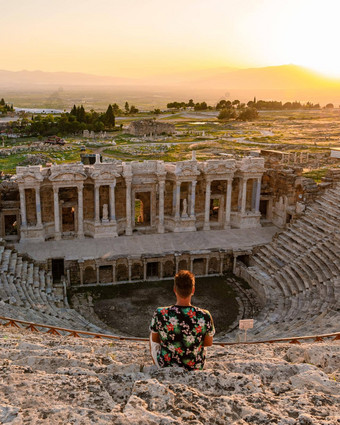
(88, 381)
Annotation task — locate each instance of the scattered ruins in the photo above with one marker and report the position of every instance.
(150, 128)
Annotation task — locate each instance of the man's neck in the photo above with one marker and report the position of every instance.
(183, 302)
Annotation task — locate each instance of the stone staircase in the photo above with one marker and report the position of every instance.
(65, 380)
(27, 293)
(299, 273)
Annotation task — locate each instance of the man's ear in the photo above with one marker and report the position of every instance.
(193, 290)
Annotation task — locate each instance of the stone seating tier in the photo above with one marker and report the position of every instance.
(26, 292)
(299, 273)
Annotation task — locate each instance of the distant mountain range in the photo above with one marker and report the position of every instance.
(63, 89)
(286, 77)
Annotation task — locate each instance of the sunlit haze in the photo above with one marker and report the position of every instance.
(137, 38)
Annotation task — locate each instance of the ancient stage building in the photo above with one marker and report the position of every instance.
(91, 223)
(110, 199)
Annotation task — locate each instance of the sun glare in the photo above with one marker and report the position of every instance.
(314, 36)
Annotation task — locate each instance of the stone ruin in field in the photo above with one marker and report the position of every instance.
(150, 128)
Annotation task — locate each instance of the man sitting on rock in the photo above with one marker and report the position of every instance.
(180, 332)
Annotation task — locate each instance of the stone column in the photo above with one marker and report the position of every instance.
(258, 194)
(38, 206)
(97, 272)
(56, 213)
(23, 207)
(193, 199)
(207, 266)
(128, 230)
(221, 263)
(80, 213)
(144, 269)
(178, 200)
(96, 204)
(81, 272)
(112, 202)
(244, 195)
(228, 205)
(191, 267)
(161, 266)
(114, 271)
(161, 207)
(207, 207)
(176, 264)
(253, 195)
(129, 269)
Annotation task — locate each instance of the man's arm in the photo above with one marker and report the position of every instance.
(155, 337)
(208, 340)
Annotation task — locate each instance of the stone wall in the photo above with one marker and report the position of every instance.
(150, 128)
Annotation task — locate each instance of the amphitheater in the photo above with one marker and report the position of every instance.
(84, 226)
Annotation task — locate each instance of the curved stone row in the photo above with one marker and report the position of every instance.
(27, 293)
(298, 274)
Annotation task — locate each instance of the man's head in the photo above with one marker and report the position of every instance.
(184, 283)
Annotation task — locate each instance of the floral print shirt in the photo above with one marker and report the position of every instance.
(182, 330)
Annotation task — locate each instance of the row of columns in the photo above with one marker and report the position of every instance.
(161, 186)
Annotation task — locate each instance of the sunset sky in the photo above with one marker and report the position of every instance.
(138, 38)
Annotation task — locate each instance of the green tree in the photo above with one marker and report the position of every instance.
(133, 110)
(109, 118)
(226, 114)
(248, 114)
(126, 107)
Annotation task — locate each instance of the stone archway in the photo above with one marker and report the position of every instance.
(199, 266)
(169, 269)
(137, 271)
(122, 272)
(90, 275)
(213, 266)
(183, 265)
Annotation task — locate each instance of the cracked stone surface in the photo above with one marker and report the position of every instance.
(64, 380)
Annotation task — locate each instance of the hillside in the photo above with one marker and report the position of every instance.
(82, 381)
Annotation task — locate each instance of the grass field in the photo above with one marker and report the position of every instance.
(314, 131)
